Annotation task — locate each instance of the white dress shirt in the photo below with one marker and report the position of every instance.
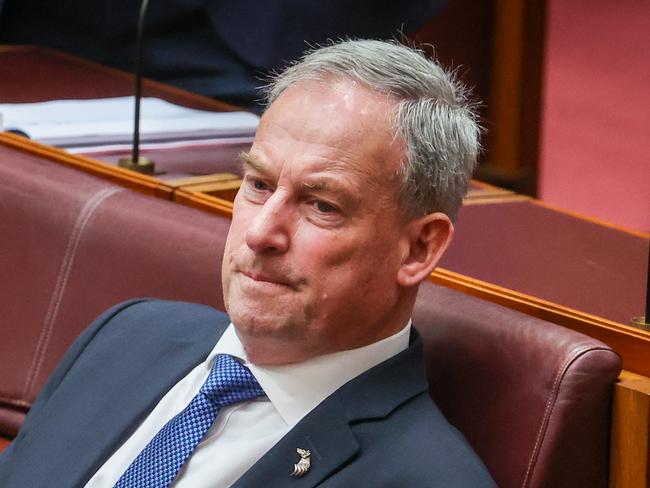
(244, 432)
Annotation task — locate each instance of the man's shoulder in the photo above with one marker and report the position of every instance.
(416, 446)
(405, 440)
(156, 306)
(145, 313)
(143, 333)
(439, 450)
(151, 324)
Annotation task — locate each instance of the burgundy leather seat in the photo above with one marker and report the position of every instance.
(533, 399)
(73, 245)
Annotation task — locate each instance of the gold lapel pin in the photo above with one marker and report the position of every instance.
(303, 465)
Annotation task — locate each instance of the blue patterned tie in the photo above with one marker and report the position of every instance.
(160, 461)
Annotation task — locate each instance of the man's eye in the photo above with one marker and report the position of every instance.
(259, 185)
(256, 189)
(324, 207)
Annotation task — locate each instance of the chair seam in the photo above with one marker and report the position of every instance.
(61, 282)
(13, 403)
(550, 405)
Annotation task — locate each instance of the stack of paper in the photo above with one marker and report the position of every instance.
(70, 123)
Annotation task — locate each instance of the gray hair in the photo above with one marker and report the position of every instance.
(433, 115)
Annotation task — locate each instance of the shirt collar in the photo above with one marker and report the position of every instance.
(296, 389)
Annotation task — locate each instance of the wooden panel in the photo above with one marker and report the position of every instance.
(516, 94)
(497, 46)
(461, 37)
(135, 181)
(490, 199)
(552, 255)
(203, 202)
(225, 190)
(630, 440)
(478, 190)
(200, 180)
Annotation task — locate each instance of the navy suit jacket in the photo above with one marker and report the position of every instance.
(380, 429)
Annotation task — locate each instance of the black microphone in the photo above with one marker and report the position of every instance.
(137, 162)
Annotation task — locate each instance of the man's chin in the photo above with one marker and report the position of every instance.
(264, 325)
(270, 341)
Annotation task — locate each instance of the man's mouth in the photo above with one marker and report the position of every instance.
(266, 278)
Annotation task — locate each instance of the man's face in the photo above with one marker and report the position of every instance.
(312, 255)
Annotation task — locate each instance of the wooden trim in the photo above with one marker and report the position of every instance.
(203, 202)
(496, 199)
(630, 436)
(516, 86)
(505, 99)
(214, 188)
(487, 186)
(483, 193)
(130, 179)
(191, 181)
(631, 343)
(484, 190)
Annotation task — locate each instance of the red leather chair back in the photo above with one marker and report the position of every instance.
(532, 398)
(73, 245)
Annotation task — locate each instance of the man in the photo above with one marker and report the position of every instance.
(358, 166)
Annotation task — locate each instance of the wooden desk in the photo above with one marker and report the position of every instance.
(519, 244)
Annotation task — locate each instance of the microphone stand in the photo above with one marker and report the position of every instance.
(643, 322)
(137, 162)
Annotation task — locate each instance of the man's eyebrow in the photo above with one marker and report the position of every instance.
(317, 186)
(250, 161)
(343, 194)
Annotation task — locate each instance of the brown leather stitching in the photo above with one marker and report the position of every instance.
(64, 272)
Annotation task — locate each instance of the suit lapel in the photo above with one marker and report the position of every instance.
(324, 432)
(327, 432)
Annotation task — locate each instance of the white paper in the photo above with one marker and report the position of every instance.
(193, 144)
(70, 123)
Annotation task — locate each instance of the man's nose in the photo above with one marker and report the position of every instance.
(269, 229)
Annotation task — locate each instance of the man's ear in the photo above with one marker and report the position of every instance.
(424, 242)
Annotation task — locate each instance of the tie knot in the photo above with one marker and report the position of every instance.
(230, 382)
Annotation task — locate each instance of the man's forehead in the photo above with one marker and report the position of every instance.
(340, 127)
(339, 94)
(315, 171)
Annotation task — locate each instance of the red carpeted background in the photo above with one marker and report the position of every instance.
(595, 147)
